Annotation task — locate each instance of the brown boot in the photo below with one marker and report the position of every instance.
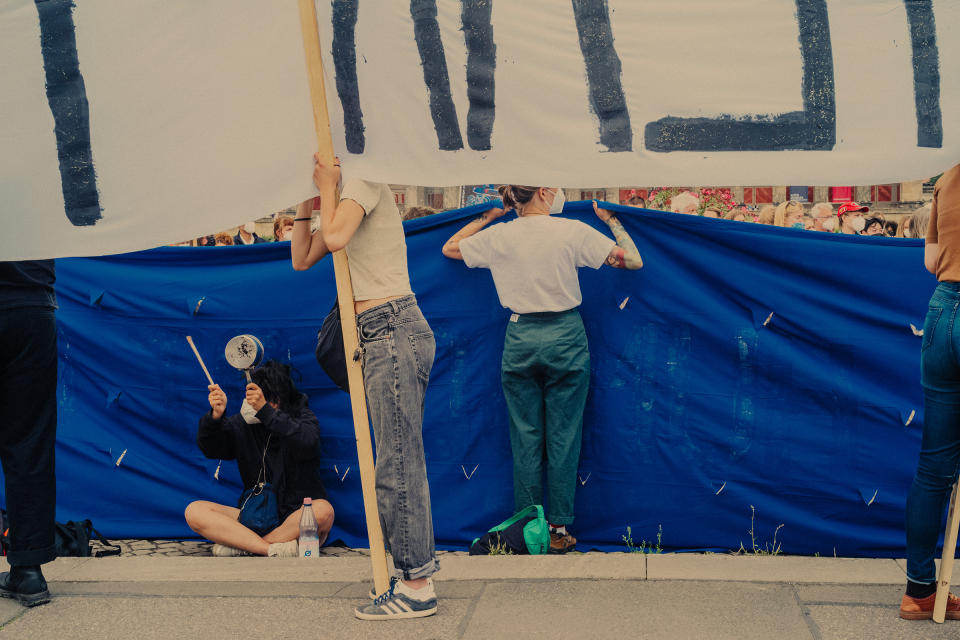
(922, 608)
(561, 542)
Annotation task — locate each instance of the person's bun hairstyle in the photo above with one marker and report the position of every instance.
(515, 195)
(506, 194)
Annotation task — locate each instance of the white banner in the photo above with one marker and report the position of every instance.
(131, 124)
(166, 120)
(607, 92)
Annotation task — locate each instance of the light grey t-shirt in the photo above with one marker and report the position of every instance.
(377, 252)
(534, 260)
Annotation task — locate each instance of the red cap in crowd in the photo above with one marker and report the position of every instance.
(847, 207)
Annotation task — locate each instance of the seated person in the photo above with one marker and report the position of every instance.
(275, 435)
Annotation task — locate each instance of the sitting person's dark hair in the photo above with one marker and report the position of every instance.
(277, 384)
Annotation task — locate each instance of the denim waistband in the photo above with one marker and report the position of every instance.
(390, 307)
(946, 294)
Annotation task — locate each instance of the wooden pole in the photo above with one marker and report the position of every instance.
(348, 319)
(949, 553)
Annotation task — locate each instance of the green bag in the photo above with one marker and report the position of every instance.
(526, 532)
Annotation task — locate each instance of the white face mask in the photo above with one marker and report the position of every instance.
(249, 413)
(857, 224)
(829, 224)
(558, 199)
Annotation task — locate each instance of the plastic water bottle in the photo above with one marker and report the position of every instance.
(309, 542)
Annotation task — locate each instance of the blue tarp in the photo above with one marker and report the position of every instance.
(744, 367)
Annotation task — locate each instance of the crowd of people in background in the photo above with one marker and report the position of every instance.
(849, 218)
(282, 230)
(247, 234)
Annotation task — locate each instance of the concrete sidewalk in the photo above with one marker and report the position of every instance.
(592, 595)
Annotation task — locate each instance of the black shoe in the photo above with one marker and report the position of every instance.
(25, 584)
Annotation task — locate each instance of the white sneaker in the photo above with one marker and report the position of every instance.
(226, 551)
(399, 603)
(373, 591)
(284, 549)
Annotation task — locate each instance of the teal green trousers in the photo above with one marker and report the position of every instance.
(545, 374)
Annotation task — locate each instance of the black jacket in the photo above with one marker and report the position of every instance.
(27, 283)
(292, 461)
(256, 239)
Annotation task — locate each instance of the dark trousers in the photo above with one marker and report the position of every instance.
(28, 430)
(545, 374)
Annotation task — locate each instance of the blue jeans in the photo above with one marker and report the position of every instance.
(398, 348)
(940, 449)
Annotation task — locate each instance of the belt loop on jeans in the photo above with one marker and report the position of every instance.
(400, 304)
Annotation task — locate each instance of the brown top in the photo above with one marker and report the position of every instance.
(944, 226)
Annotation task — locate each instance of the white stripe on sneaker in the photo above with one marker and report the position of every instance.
(391, 611)
(403, 604)
(392, 607)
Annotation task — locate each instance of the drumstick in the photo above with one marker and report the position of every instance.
(197, 353)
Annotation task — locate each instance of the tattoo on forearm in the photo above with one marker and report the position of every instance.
(627, 257)
(615, 259)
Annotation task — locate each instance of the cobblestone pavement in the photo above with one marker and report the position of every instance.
(202, 548)
(160, 547)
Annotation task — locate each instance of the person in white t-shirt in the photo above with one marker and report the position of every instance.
(545, 371)
(398, 349)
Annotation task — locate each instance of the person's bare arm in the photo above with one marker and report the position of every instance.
(343, 220)
(306, 249)
(625, 254)
(451, 248)
(338, 222)
(931, 253)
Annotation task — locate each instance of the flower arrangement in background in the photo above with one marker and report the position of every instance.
(659, 198)
(717, 199)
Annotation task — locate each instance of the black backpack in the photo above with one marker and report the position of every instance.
(71, 539)
(329, 351)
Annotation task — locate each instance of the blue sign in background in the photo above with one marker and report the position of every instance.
(744, 367)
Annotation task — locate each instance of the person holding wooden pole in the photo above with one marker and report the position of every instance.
(940, 376)
(397, 349)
